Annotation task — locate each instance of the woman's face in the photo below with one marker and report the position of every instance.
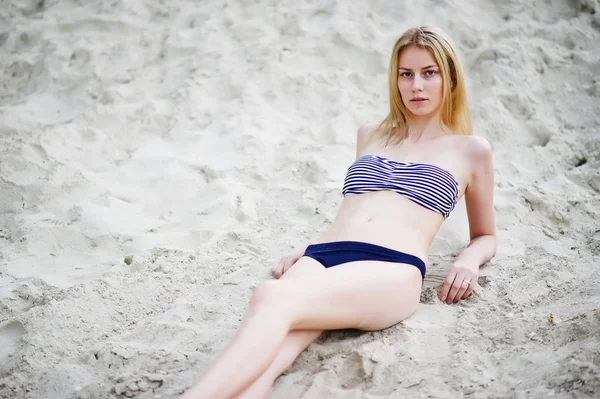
(419, 81)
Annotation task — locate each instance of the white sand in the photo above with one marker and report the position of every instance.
(207, 140)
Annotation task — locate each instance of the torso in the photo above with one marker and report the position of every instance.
(391, 220)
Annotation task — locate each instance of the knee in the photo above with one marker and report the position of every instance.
(267, 294)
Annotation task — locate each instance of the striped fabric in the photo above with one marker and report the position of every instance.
(427, 185)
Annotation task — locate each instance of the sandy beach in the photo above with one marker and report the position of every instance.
(157, 158)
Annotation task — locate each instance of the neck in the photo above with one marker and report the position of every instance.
(424, 127)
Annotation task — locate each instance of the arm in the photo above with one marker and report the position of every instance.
(479, 199)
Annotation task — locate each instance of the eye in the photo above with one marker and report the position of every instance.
(405, 74)
(430, 72)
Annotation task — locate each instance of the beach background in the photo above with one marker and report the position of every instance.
(158, 157)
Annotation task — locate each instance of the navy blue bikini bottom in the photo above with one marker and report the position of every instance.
(337, 252)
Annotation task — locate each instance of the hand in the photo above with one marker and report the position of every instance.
(459, 283)
(285, 263)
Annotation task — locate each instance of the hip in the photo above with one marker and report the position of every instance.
(335, 253)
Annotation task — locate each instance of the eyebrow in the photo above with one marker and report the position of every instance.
(427, 67)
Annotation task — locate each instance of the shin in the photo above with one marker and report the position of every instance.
(250, 352)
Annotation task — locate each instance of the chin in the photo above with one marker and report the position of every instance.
(420, 111)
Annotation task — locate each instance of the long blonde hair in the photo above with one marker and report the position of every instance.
(454, 116)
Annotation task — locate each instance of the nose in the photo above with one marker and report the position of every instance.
(417, 84)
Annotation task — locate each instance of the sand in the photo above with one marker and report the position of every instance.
(156, 159)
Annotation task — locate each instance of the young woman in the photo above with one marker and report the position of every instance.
(366, 271)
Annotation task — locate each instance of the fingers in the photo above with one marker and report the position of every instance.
(459, 284)
(464, 286)
(283, 265)
(448, 283)
(279, 268)
(469, 290)
(454, 288)
(276, 270)
(459, 287)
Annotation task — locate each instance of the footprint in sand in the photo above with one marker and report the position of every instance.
(354, 374)
(79, 58)
(10, 337)
(3, 38)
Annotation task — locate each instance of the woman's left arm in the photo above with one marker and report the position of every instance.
(479, 199)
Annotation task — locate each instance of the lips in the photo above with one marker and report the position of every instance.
(418, 100)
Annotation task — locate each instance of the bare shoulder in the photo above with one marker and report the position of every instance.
(479, 147)
(478, 157)
(365, 130)
(363, 137)
(475, 149)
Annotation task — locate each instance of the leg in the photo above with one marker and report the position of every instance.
(295, 342)
(368, 295)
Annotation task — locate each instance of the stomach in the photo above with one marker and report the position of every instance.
(387, 219)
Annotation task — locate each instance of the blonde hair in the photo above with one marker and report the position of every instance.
(455, 117)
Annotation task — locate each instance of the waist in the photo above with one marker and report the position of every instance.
(387, 219)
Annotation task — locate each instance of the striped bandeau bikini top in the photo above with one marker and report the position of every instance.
(427, 185)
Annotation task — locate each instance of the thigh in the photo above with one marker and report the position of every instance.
(303, 269)
(297, 340)
(367, 295)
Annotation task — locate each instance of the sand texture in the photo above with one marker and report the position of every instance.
(157, 157)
